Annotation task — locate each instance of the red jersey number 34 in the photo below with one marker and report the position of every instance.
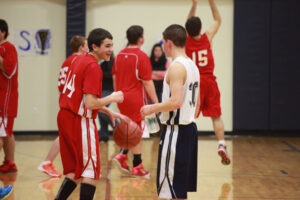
(70, 85)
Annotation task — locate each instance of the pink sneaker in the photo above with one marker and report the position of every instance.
(48, 168)
(222, 151)
(121, 160)
(139, 171)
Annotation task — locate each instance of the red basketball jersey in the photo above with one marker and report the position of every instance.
(63, 71)
(131, 66)
(83, 77)
(9, 80)
(200, 52)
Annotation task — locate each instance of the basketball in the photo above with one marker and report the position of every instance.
(127, 133)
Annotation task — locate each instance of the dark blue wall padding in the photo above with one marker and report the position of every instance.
(266, 65)
(285, 65)
(251, 64)
(76, 12)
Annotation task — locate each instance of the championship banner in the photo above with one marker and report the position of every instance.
(32, 42)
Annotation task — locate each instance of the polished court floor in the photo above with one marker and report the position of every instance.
(262, 168)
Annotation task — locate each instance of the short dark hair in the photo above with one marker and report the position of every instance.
(193, 26)
(96, 36)
(76, 41)
(133, 33)
(176, 33)
(4, 27)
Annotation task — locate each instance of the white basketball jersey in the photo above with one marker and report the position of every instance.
(185, 114)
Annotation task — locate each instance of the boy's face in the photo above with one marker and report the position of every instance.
(105, 50)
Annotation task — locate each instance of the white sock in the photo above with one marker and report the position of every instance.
(46, 162)
(222, 142)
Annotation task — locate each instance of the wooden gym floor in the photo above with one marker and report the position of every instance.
(262, 168)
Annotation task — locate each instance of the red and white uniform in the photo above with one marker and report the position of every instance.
(131, 66)
(78, 134)
(63, 71)
(8, 88)
(201, 53)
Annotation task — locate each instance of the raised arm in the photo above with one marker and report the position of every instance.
(212, 30)
(193, 9)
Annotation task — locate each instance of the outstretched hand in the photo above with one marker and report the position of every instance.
(112, 115)
(146, 110)
(115, 116)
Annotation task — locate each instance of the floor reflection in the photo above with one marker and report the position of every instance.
(9, 179)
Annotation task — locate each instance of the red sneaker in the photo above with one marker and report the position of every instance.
(121, 160)
(139, 171)
(222, 151)
(8, 166)
(48, 168)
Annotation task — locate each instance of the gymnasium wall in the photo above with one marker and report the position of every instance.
(38, 103)
(155, 16)
(38, 96)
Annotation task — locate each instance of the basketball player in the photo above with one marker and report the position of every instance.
(132, 73)
(79, 103)
(198, 48)
(178, 147)
(8, 98)
(78, 46)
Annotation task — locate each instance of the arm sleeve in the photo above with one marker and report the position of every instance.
(92, 83)
(145, 68)
(10, 61)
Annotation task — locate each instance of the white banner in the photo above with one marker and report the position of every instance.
(32, 42)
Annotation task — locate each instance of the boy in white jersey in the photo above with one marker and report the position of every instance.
(177, 159)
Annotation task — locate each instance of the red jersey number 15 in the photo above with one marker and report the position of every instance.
(202, 58)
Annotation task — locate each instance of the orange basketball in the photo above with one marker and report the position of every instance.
(127, 134)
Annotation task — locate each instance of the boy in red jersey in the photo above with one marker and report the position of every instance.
(8, 97)
(78, 46)
(79, 102)
(132, 73)
(198, 48)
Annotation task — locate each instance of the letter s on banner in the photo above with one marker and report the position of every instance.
(23, 35)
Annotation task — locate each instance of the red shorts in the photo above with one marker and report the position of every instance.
(6, 126)
(210, 105)
(79, 145)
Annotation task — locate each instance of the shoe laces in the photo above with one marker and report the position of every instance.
(49, 167)
(222, 146)
(52, 166)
